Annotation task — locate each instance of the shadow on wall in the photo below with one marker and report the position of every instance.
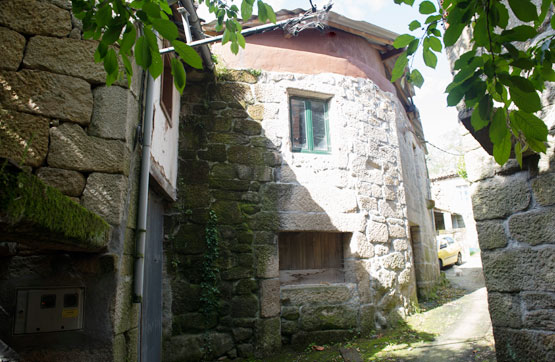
(237, 306)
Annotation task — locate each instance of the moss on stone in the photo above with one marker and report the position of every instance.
(26, 199)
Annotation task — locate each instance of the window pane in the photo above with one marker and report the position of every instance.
(298, 130)
(319, 125)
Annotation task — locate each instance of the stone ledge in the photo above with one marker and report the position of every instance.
(38, 214)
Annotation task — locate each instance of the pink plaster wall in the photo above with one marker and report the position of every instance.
(312, 52)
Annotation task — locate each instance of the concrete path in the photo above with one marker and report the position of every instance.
(463, 326)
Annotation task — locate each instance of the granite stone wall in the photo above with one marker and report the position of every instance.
(236, 159)
(60, 122)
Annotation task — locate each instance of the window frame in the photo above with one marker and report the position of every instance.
(309, 129)
(167, 87)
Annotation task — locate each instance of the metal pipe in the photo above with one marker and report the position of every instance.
(246, 32)
(143, 193)
(196, 29)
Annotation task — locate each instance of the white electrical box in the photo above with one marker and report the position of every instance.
(49, 310)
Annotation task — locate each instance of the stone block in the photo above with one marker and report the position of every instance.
(228, 212)
(397, 231)
(394, 261)
(245, 350)
(540, 320)
(22, 15)
(228, 138)
(12, 45)
(491, 234)
(114, 114)
(519, 269)
(195, 196)
(237, 273)
(246, 155)
(247, 127)
(65, 56)
(377, 232)
(315, 294)
(238, 76)
(268, 336)
(194, 172)
(236, 95)
(366, 319)
(246, 287)
(267, 261)
(193, 322)
(70, 183)
(241, 334)
(400, 244)
(504, 309)
(290, 313)
(538, 300)
(105, 195)
(543, 188)
(23, 137)
(48, 94)
(500, 196)
(216, 153)
(244, 306)
(390, 209)
(187, 347)
(323, 317)
(523, 345)
(322, 222)
(185, 297)
(289, 327)
(72, 149)
(256, 112)
(302, 339)
(269, 298)
(534, 227)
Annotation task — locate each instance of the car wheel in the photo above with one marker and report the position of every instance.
(440, 264)
(459, 259)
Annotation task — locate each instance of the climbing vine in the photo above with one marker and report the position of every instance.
(210, 269)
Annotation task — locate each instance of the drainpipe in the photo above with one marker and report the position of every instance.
(143, 193)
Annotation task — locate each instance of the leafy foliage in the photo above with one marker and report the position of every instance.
(503, 72)
(126, 29)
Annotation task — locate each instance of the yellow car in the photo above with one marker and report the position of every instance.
(448, 251)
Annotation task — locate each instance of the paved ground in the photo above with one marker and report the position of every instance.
(463, 326)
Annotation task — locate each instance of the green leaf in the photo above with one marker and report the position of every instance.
(188, 54)
(530, 125)
(226, 37)
(271, 14)
(553, 22)
(104, 15)
(544, 9)
(403, 40)
(524, 10)
(150, 38)
(111, 66)
(165, 7)
(179, 75)
(128, 39)
(430, 59)
(522, 83)
(464, 59)
(498, 128)
(518, 153)
(241, 40)
(435, 44)
(100, 52)
(427, 7)
(234, 47)
(157, 65)
(455, 95)
(128, 68)
(477, 121)
(433, 18)
(112, 34)
(142, 53)
(481, 31)
(502, 149)
(399, 68)
(413, 46)
(452, 34)
(502, 13)
(416, 78)
(518, 33)
(415, 24)
(152, 10)
(527, 101)
(246, 10)
(262, 12)
(166, 28)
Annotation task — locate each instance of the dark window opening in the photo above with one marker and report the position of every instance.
(458, 221)
(440, 223)
(311, 257)
(166, 91)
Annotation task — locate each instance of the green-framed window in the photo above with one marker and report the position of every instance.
(309, 125)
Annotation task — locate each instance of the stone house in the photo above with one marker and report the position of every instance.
(514, 211)
(453, 210)
(71, 215)
(313, 163)
(69, 199)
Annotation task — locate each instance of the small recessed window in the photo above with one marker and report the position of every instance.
(311, 257)
(309, 125)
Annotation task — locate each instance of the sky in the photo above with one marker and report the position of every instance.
(437, 118)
